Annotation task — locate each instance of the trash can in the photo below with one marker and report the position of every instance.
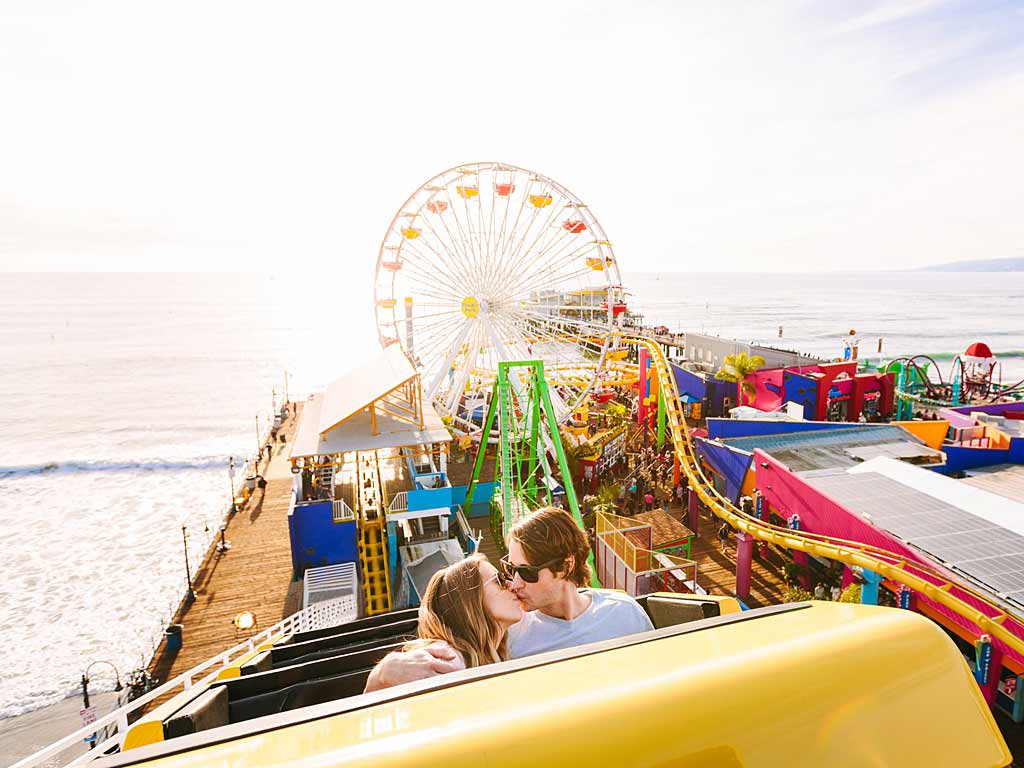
(250, 482)
(173, 637)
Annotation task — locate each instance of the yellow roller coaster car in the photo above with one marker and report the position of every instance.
(822, 684)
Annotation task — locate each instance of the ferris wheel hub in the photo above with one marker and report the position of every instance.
(470, 307)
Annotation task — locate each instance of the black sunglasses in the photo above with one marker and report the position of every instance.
(528, 573)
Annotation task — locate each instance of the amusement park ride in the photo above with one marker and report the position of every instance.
(502, 288)
(489, 262)
(974, 378)
(564, 312)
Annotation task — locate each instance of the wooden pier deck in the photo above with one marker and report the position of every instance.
(254, 575)
(460, 472)
(716, 570)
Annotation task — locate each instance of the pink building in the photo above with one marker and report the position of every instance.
(827, 392)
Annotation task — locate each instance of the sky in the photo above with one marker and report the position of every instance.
(707, 136)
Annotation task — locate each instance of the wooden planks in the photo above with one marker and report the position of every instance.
(487, 544)
(716, 571)
(254, 575)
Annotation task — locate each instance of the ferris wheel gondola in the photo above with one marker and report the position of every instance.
(490, 262)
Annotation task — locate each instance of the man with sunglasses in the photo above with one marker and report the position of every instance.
(546, 567)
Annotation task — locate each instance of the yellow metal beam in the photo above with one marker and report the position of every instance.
(891, 566)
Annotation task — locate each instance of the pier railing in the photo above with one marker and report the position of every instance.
(120, 719)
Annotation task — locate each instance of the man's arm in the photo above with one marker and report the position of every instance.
(406, 666)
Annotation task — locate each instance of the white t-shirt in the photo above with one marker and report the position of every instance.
(610, 615)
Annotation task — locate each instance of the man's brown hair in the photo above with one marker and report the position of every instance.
(552, 534)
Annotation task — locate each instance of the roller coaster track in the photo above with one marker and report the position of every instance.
(932, 583)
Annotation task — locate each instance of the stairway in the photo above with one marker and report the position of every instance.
(431, 529)
(373, 558)
(325, 479)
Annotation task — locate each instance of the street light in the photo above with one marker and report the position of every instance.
(85, 680)
(231, 479)
(224, 546)
(191, 596)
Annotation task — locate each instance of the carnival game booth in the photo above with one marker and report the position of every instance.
(369, 460)
(606, 448)
(971, 539)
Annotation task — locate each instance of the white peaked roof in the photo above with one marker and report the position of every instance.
(338, 420)
(354, 391)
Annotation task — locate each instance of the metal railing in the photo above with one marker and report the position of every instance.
(614, 530)
(342, 512)
(120, 718)
(399, 502)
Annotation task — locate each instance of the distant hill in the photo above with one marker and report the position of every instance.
(983, 265)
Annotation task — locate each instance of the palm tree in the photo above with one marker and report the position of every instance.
(606, 502)
(736, 368)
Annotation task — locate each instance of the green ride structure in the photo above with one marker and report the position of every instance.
(527, 426)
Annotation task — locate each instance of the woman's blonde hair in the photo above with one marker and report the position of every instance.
(453, 610)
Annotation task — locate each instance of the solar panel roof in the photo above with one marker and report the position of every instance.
(981, 549)
(1005, 479)
(839, 447)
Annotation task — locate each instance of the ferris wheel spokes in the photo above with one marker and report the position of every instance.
(489, 262)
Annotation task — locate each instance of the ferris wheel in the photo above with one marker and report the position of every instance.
(489, 262)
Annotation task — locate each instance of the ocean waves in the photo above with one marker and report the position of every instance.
(140, 466)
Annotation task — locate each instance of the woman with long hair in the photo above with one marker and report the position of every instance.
(464, 616)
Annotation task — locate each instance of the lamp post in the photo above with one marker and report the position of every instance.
(191, 596)
(259, 447)
(286, 398)
(85, 680)
(231, 479)
(224, 545)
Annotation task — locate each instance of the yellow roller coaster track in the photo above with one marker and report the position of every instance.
(915, 576)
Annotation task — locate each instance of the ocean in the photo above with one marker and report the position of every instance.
(125, 395)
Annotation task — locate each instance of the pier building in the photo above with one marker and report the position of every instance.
(371, 486)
